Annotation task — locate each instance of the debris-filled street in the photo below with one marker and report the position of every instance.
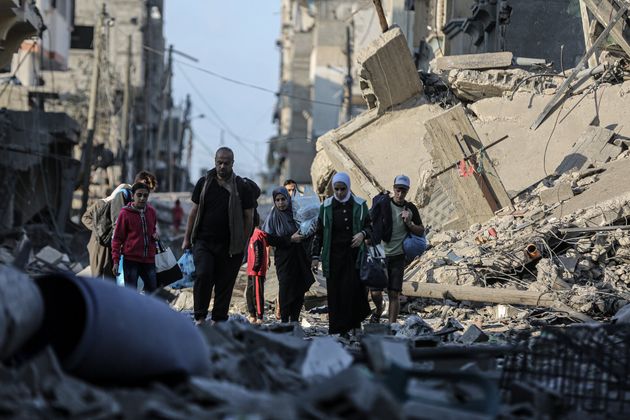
(438, 226)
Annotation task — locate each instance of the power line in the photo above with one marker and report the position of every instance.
(225, 126)
(241, 83)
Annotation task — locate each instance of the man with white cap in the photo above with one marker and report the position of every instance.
(393, 220)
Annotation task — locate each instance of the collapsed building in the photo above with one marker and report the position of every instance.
(519, 308)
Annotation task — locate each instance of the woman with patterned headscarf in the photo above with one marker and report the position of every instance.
(290, 258)
(344, 224)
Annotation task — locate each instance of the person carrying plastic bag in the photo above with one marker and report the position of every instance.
(187, 265)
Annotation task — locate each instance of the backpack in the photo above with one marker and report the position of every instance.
(254, 189)
(103, 226)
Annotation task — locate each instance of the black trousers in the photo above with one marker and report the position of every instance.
(291, 312)
(214, 269)
(255, 296)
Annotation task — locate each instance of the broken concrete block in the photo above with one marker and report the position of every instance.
(388, 75)
(184, 301)
(414, 326)
(443, 237)
(325, 357)
(49, 255)
(21, 310)
(352, 393)
(473, 335)
(557, 194)
(384, 352)
(505, 311)
(474, 85)
(472, 61)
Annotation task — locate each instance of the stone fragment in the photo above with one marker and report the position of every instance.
(442, 237)
(387, 73)
(473, 335)
(325, 357)
(557, 194)
(415, 326)
(49, 255)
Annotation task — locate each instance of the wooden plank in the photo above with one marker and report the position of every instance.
(474, 61)
(586, 31)
(453, 139)
(587, 149)
(603, 10)
(489, 295)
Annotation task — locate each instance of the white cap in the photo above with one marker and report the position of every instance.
(402, 181)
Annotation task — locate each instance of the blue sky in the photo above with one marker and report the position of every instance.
(236, 39)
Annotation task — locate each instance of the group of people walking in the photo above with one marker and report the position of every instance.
(124, 225)
(223, 224)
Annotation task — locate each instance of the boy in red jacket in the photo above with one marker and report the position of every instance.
(257, 259)
(134, 238)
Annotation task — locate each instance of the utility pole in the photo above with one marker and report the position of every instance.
(91, 122)
(185, 121)
(169, 149)
(166, 96)
(190, 149)
(381, 15)
(222, 138)
(349, 80)
(127, 148)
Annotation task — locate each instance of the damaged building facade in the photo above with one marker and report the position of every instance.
(320, 86)
(48, 58)
(516, 164)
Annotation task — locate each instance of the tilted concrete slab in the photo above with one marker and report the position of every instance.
(528, 156)
(374, 148)
(388, 75)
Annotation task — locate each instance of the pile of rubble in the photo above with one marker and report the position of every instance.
(546, 250)
(283, 371)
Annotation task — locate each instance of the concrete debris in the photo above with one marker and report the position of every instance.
(21, 310)
(473, 335)
(474, 85)
(473, 61)
(558, 257)
(325, 357)
(387, 73)
(559, 193)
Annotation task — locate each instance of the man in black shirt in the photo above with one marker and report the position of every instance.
(218, 228)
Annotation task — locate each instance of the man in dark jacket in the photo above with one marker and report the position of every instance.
(393, 218)
(219, 226)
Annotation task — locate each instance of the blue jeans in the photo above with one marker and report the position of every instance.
(134, 269)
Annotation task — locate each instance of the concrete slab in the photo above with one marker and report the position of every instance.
(49, 255)
(528, 156)
(374, 148)
(557, 194)
(388, 75)
(611, 185)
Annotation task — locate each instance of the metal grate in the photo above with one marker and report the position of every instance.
(589, 366)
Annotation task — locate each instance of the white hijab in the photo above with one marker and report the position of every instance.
(344, 178)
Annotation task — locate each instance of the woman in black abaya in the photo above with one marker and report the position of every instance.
(292, 263)
(343, 225)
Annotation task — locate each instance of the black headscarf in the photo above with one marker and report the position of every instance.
(280, 222)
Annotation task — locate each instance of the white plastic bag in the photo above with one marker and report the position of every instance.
(305, 213)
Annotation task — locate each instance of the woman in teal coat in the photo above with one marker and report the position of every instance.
(344, 224)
